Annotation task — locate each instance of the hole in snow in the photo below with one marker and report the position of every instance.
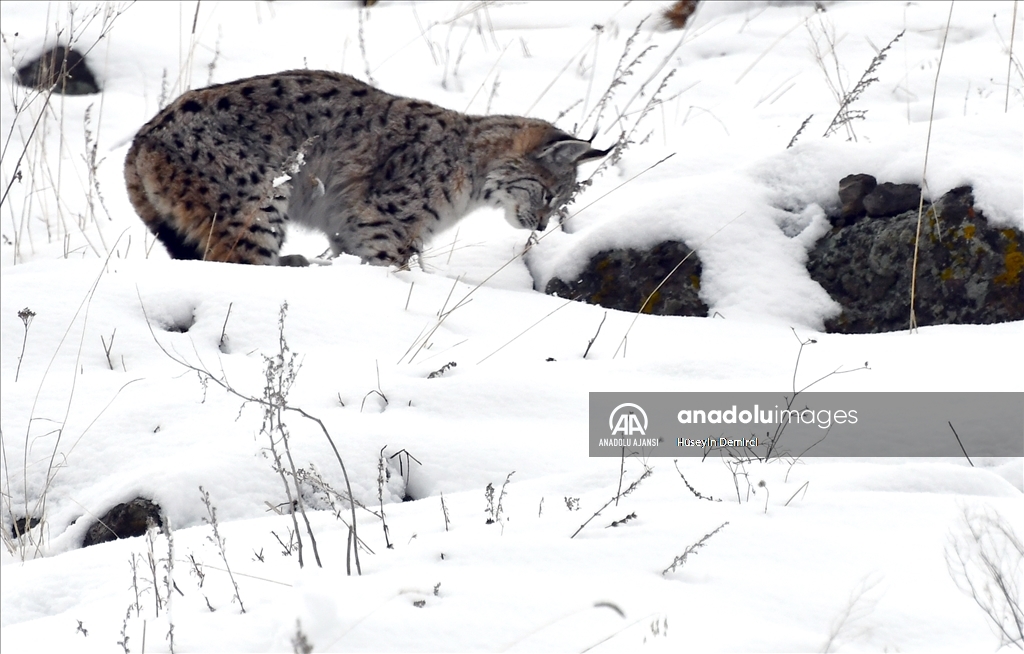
(180, 324)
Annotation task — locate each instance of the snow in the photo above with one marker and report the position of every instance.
(840, 554)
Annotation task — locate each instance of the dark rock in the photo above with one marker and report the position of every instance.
(62, 68)
(22, 526)
(890, 199)
(955, 206)
(968, 272)
(623, 279)
(852, 190)
(124, 521)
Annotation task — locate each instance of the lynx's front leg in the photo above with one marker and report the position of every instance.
(256, 233)
(382, 232)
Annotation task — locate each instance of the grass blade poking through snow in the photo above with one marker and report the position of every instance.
(1009, 62)
(218, 540)
(26, 316)
(205, 374)
(691, 549)
(985, 561)
(615, 498)
(924, 172)
(38, 510)
(845, 115)
(280, 372)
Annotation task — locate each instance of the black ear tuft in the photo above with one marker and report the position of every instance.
(592, 154)
(570, 150)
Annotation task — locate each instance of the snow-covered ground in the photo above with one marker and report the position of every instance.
(824, 555)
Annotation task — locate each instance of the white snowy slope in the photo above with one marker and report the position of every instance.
(98, 404)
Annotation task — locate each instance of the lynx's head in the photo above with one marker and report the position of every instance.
(535, 176)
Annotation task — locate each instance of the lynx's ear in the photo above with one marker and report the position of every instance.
(570, 150)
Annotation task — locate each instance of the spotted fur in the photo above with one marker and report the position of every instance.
(219, 173)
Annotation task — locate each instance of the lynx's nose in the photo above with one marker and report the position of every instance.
(542, 222)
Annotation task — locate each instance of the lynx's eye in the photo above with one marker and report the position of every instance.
(547, 197)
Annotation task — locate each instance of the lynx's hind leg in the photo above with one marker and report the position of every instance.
(159, 223)
(197, 218)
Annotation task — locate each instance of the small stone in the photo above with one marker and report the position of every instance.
(888, 199)
(852, 190)
(293, 260)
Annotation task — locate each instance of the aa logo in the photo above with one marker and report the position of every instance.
(628, 420)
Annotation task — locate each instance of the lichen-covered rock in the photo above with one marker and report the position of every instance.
(124, 521)
(624, 279)
(968, 272)
(62, 68)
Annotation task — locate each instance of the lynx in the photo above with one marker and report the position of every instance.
(218, 173)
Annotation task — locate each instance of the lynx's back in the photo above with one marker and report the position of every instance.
(218, 173)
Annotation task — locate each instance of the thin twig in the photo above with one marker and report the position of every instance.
(692, 549)
(769, 49)
(107, 347)
(552, 83)
(924, 173)
(591, 341)
(959, 442)
(696, 493)
(636, 316)
(803, 487)
(632, 487)
(51, 472)
(1009, 61)
(263, 403)
(26, 316)
(362, 46)
(514, 338)
(218, 540)
(224, 329)
(844, 115)
(799, 131)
